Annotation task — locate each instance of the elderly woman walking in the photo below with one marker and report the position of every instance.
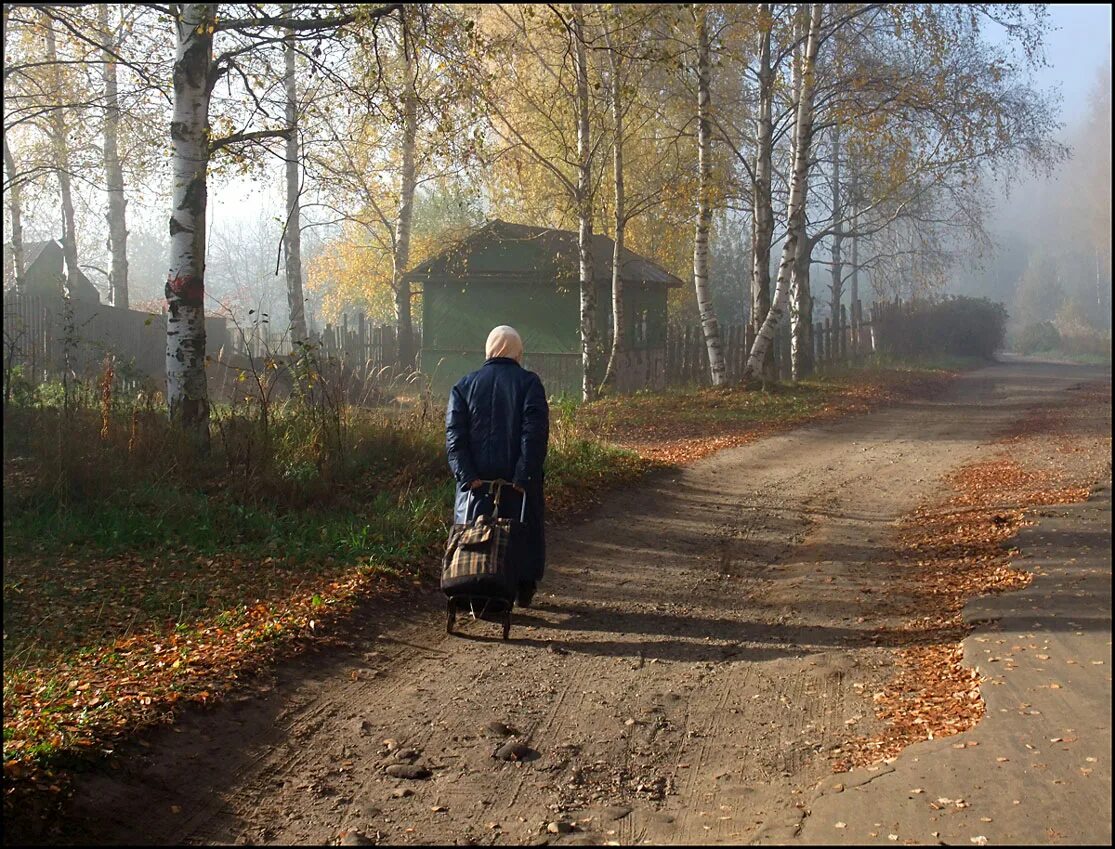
(497, 426)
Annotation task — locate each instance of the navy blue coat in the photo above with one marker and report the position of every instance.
(497, 425)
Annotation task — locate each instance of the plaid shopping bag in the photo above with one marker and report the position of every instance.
(480, 557)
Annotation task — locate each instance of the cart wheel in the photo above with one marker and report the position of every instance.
(450, 616)
(507, 626)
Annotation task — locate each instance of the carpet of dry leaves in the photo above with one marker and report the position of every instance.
(952, 550)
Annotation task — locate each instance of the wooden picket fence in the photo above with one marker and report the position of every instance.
(838, 342)
(47, 336)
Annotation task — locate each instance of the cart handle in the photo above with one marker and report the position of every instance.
(496, 486)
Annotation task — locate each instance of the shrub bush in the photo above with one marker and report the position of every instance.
(1039, 336)
(957, 325)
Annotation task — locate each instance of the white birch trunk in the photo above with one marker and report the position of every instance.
(709, 324)
(404, 220)
(801, 312)
(15, 208)
(584, 210)
(114, 175)
(618, 316)
(15, 190)
(292, 238)
(762, 205)
(61, 150)
(796, 206)
(186, 391)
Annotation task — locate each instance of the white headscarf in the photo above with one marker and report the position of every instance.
(504, 341)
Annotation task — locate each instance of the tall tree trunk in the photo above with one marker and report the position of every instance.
(584, 210)
(15, 190)
(796, 207)
(61, 148)
(709, 324)
(15, 207)
(296, 301)
(762, 205)
(853, 291)
(186, 391)
(801, 311)
(406, 202)
(836, 287)
(618, 317)
(114, 174)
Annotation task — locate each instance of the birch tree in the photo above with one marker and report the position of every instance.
(292, 235)
(796, 206)
(12, 185)
(114, 174)
(615, 94)
(187, 393)
(404, 218)
(709, 324)
(762, 205)
(584, 193)
(196, 73)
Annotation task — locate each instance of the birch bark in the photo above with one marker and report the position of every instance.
(292, 237)
(709, 324)
(114, 174)
(584, 210)
(404, 220)
(763, 217)
(796, 207)
(187, 394)
(15, 199)
(801, 311)
(618, 317)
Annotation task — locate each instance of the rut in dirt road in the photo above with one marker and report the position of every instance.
(699, 649)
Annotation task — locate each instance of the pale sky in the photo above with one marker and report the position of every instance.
(1078, 45)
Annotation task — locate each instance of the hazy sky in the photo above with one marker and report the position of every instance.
(1077, 47)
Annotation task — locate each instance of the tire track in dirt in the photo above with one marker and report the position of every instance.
(700, 646)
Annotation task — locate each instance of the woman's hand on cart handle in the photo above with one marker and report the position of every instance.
(476, 483)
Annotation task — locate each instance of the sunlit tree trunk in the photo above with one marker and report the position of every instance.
(584, 209)
(801, 312)
(61, 149)
(15, 208)
(186, 393)
(618, 318)
(709, 323)
(114, 174)
(796, 207)
(296, 301)
(15, 200)
(403, 221)
(763, 208)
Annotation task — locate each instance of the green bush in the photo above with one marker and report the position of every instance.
(956, 325)
(1039, 336)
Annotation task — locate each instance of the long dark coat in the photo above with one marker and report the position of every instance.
(497, 425)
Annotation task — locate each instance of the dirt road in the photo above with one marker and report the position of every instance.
(699, 648)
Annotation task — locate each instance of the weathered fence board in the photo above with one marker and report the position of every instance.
(837, 341)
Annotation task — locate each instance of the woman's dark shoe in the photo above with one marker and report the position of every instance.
(526, 593)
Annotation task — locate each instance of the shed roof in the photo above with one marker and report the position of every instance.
(548, 253)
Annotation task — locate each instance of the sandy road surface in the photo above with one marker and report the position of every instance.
(699, 648)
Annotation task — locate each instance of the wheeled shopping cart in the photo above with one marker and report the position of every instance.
(480, 575)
